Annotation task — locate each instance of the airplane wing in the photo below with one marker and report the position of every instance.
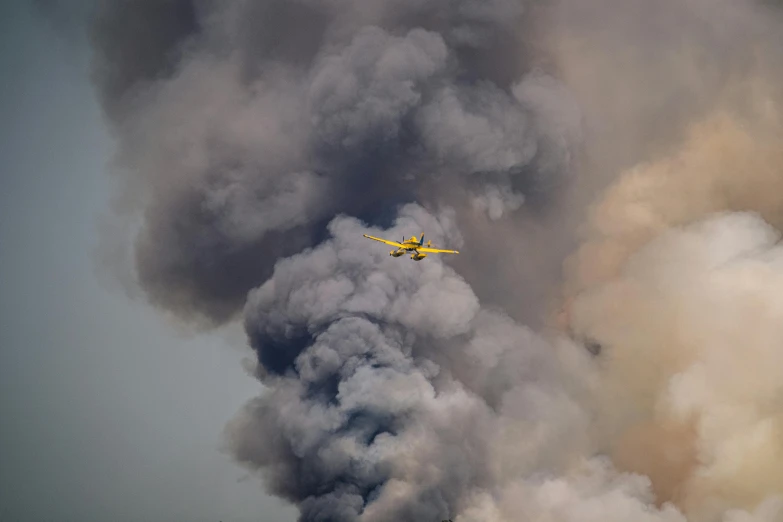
(392, 243)
(437, 251)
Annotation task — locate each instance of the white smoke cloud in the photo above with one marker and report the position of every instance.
(691, 345)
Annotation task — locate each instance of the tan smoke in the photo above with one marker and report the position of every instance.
(692, 375)
(692, 369)
(724, 164)
(678, 277)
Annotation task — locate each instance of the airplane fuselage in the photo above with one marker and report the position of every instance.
(410, 245)
(413, 246)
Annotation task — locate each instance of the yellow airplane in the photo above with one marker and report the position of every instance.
(412, 245)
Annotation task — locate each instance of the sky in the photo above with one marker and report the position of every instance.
(106, 411)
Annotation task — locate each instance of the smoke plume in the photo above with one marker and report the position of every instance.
(618, 159)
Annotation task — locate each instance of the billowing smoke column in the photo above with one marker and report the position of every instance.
(258, 141)
(247, 129)
(250, 125)
(386, 381)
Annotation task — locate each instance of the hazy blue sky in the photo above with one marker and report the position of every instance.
(105, 414)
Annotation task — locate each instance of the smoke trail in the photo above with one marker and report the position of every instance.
(257, 142)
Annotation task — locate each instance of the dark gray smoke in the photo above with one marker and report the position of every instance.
(247, 126)
(390, 386)
(259, 140)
